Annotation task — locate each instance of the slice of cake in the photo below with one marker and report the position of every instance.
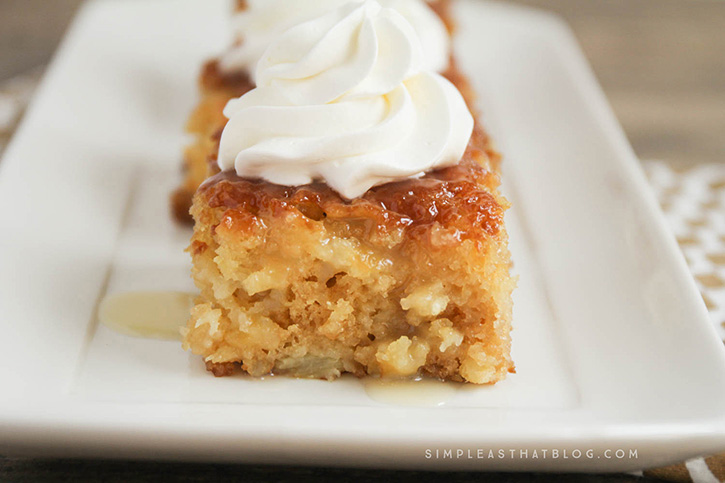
(204, 125)
(256, 23)
(357, 224)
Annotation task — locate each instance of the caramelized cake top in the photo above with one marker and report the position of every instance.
(462, 198)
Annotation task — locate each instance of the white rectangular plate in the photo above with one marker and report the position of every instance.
(612, 345)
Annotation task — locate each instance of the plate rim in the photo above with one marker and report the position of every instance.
(17, 432)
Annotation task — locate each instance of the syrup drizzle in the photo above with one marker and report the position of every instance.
(154, 315)
(411, 392)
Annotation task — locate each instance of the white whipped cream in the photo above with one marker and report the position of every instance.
(265, 20)
(344, 98)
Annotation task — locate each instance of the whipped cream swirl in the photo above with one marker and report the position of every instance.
(345, 98)
(263, 21)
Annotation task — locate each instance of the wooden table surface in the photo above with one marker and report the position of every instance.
(662, 66)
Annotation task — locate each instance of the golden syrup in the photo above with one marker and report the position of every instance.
(411, 392)
(154, 315)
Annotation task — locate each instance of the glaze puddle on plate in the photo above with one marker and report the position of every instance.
(410, 392)
(155, 315)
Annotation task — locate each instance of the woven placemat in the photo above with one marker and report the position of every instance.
(692, 199)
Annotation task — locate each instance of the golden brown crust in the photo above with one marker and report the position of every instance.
(459, 197)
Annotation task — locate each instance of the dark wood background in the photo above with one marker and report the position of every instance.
(662, 66)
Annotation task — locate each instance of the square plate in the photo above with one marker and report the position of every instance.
(614, 352)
